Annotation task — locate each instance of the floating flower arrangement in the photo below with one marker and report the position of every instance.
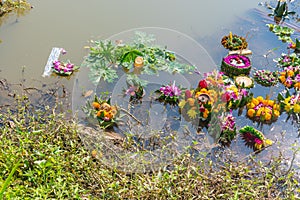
(287, 60)
(290, 77)
(135, 92)
(254, 138)
(263, 110)
(234, 42)
(169, 93)
(235, 64)
(290, 104)
(63, 68)
(266, 77)
(228, 128)
(235, 97)
(105, 113)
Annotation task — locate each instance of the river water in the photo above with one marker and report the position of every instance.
(70, 24)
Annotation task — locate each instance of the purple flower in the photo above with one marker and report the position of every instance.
(297, 78)
(63, 51)
(170, 90)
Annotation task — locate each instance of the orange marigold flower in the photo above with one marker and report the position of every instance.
(282, 79)
(276, 113)
(290, 73)
(96, 105)
(250, 112)
(255, 101)
(99, 113)
(268, 116)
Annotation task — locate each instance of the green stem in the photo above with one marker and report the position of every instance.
(8, 180)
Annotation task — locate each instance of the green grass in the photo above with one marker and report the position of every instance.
(42, 157)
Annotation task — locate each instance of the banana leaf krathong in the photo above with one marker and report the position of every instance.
(254, 138)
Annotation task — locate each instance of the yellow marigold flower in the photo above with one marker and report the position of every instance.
(287, 107)
(282, 79)
(287, 100)
(268, 142)
(276, 113)
(259, 111)
(258, 146)
(191, 101)
(203, 90)
(265, 102)
(290, 73)
(268, 116)
(181, 104)
(197, 94)
(250, 112)
(297, 108)
(192, 113)
(270, 103)
(276, 107)
(250, 105)
(282, 73)
(260, 98)
(255, 101)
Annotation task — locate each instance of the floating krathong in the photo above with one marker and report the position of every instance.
(288, 60)
(266, 77)
(290, 104)
(64, 68)
(228, 129)
(263, 110)
(254, 138)
(105, 113)
(290, 77)
(234, 42)
(169, 93)
(235, 64)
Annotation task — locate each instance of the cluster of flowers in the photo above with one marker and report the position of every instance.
(235, 64)
(266, 77)
(263, 110)
(290, 77)
(234, 97)
(169, 93)
(63, 68)
(105, 113)
(228, 128)
(290, 104)
(288, 60)
(254, 138)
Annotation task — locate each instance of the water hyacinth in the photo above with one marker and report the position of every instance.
(266, 77)
(169, 93)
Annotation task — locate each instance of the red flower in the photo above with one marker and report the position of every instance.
(188, 94)
(225, 97)
(202, 84)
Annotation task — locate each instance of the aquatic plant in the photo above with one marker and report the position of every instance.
(234, 42)
(235, 64)
(290, 77)
(263, 110)
(169, 93)
(266, 77)
(283, 33)
(254, 138)
(280, 12)
(106, 58)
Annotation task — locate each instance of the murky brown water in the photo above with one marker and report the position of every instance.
(71, 24)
